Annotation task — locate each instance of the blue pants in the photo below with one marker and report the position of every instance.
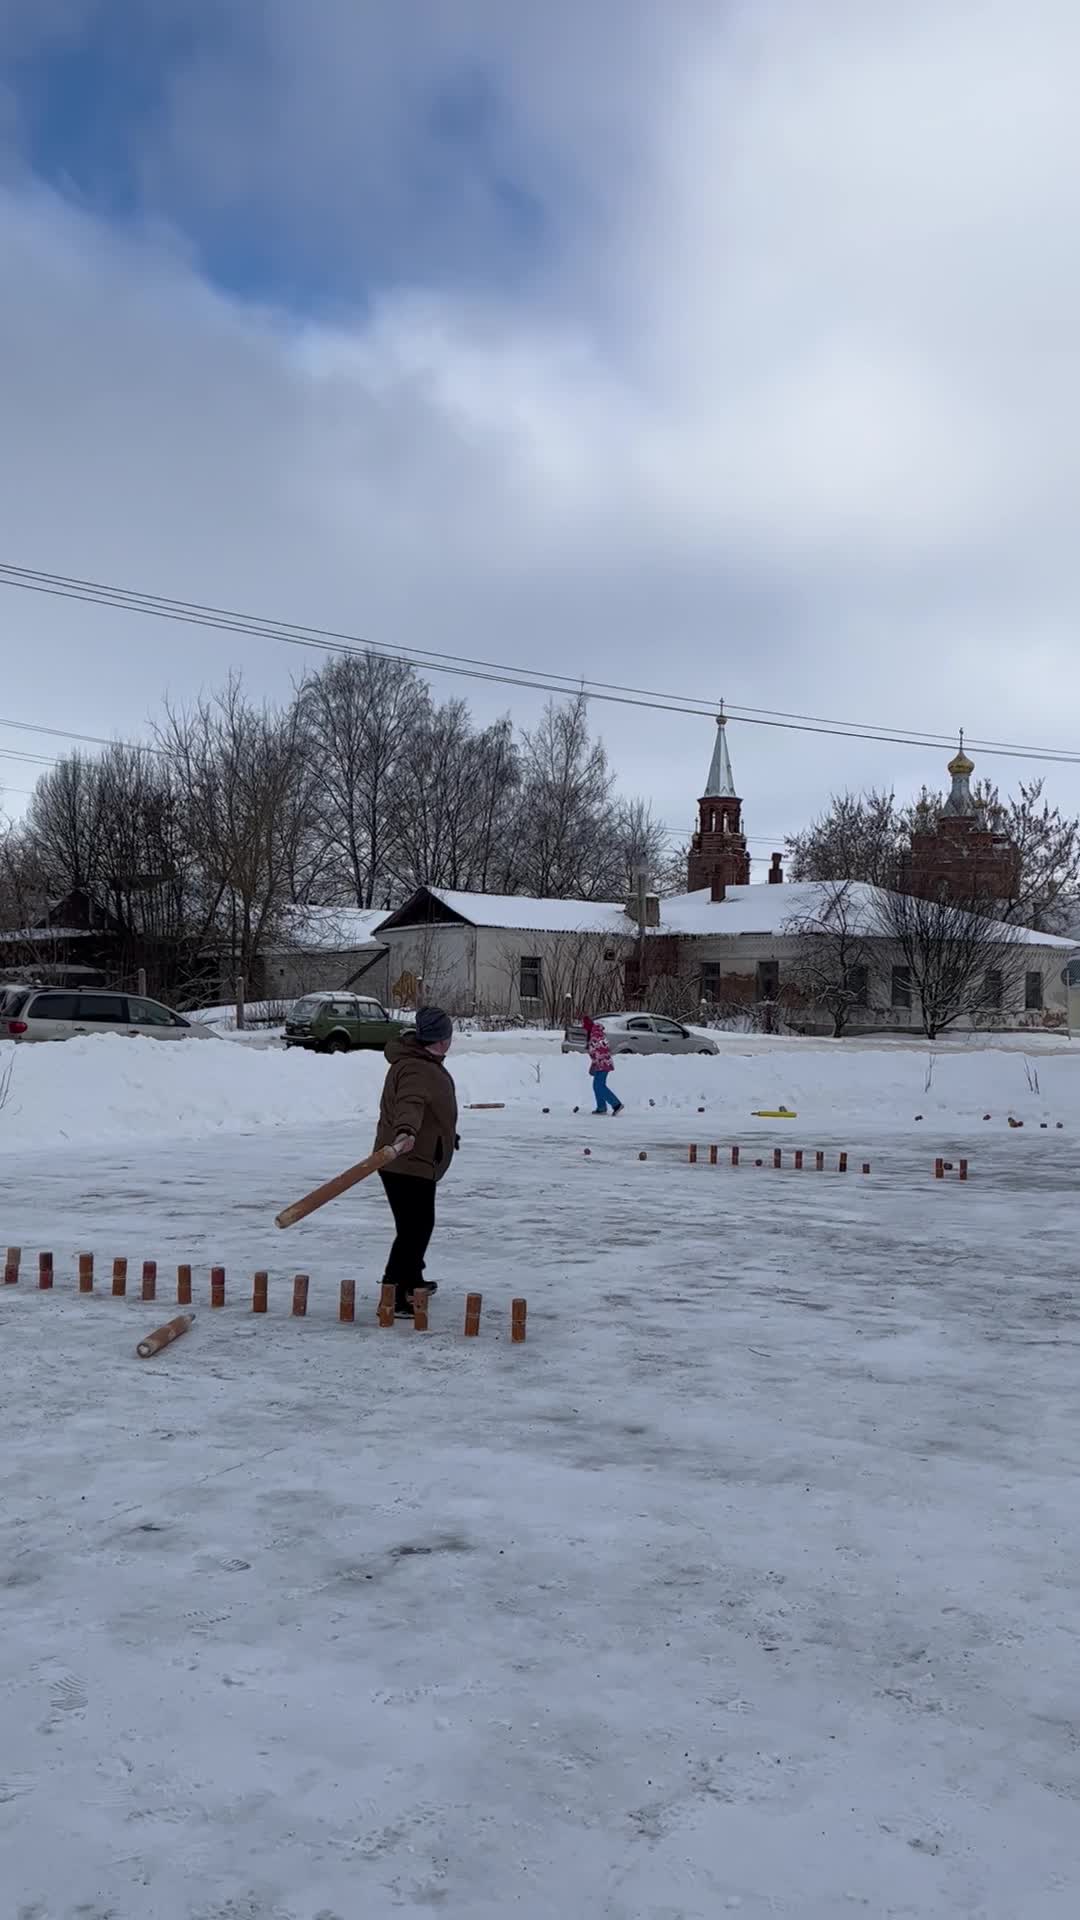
(603, 1094)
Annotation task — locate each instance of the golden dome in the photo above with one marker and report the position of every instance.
(960, 764)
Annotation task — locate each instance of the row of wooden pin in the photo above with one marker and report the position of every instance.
(798, 1159)
(942, 1167)
(260, 1290)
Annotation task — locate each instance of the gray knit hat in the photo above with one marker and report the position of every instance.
(433, 1025)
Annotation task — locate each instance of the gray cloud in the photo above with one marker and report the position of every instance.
(785, 408)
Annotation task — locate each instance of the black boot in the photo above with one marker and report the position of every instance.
(403, 1304)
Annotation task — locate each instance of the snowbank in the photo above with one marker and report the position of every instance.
(109, 1087)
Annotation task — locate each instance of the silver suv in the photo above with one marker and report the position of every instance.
(63, 1013)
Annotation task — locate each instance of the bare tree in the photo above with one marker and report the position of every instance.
(357, 715)
(865, 836)
(955, 964)
(831, 967)
(860, 837)
(245, 779)
(564, 845)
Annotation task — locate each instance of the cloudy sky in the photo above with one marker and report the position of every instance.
(723, 347)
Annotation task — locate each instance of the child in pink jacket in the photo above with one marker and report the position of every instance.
(600, 1065)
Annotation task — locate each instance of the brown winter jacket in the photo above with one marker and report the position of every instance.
(418, 1097)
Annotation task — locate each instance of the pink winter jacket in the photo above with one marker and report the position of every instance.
(600, 1060)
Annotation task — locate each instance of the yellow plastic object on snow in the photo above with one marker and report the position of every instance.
(775, 1113)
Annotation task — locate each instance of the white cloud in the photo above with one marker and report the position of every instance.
(785, 407)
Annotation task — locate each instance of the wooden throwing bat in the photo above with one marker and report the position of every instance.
(331, 1188)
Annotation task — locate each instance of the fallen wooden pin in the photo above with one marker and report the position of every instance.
(164, 1336)
(488, 1106)
(341, 1183)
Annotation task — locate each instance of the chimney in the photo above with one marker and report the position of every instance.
(719, 889)
(776, 872)
(644, 910)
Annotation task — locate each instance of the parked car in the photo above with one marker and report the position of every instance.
(12, 995)
(642, 1033)
(62, 1013)
(339, 1023)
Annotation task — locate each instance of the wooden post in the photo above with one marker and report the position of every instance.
(347, 1302)
(819, 1162)
(963, 1169)
(778, 1157)
(183, 1286)
(86, 1273)
(517, 1319)
(866, 1166)
(691, 1154)
(119, 1278)
(734, 1156)
(140, 982)
(241, 1010)
(11, 1266)
(421, 1297)
(164, 1336)
(259, 1287)
(939, 1169)
(387, 1302)
(841, 1165)
(798, 1159)
(149, 1279)
(45, 1271)
(299, 1295)
(217, 1286)
(712, 1156)
(473, 1304)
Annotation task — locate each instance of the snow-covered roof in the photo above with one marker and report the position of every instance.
(518, 913)
(765, 909)
(330, 929)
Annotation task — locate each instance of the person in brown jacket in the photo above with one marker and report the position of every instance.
(418, 1116)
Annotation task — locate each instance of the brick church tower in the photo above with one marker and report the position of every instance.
(718, 851)
(961, 858)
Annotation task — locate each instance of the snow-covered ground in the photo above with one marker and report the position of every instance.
(748, 1584)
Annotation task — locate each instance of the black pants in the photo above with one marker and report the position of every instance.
(412, 1203)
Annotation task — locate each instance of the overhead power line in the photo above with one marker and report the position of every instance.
(331, 640)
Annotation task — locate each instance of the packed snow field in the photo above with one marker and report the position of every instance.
(748, 1584)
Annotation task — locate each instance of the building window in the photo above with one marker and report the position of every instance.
(901, 987)
(858, 982)
(1033, 992)
(993, 989)
(768, 979)
(529, 972)
(711, 976)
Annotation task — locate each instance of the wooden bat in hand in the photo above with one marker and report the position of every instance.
(341, 1183)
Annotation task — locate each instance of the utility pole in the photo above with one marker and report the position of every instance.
(641, 878)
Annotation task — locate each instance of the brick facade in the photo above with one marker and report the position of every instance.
(961, 858)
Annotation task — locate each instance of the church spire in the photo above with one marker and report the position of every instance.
(719, 857)
(960, 804)
(720, 784)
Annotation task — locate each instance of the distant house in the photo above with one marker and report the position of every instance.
(320, 948)
(75, 941)
(545, 960)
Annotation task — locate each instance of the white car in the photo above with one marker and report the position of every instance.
(641, 1033)
(63, 1013)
